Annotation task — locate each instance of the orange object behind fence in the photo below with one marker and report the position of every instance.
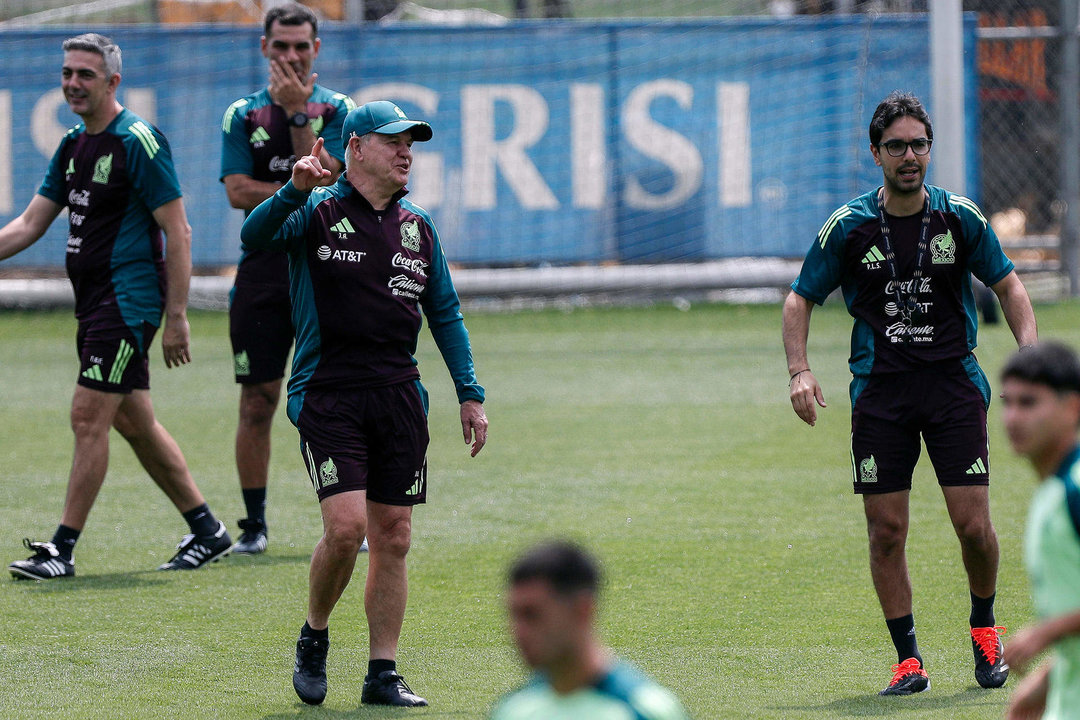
(235, 11)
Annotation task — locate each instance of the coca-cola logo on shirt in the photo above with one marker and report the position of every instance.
(415, 265)
(280, 164)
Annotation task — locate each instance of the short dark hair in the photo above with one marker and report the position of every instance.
(103, 46)
(290, 14)
(1052, 364)
(566, 566)
(897, 105)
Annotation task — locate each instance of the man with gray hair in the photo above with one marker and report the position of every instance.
(363, 263)
(114, 173)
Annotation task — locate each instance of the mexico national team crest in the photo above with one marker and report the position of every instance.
(241, 363)
(943, 249)
(328, 473)
(410, 235)
(868, 470)
(102, 169)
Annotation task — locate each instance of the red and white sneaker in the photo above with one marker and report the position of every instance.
(908, 678)
(990, 670)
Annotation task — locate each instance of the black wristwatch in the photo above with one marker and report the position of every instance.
(299, 120)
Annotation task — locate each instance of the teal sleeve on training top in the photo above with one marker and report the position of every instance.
(822, 270)
(986, 260)
(442, 309)
(235, 144)
(278, 222)
(150, 165)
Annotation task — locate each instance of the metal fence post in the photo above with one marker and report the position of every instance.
(1069, 89)
(947, 94)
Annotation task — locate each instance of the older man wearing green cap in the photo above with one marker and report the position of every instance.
(363, 263)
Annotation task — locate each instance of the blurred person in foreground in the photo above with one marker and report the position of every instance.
(1041, 394)
(552, 601)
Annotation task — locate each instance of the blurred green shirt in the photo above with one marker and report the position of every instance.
(621, 694)
(1052, 554)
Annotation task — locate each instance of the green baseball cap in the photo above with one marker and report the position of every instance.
(385, 118)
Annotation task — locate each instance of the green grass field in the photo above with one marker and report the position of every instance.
(734, 549)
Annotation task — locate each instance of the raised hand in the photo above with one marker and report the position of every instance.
(288, 89)
(308, 173)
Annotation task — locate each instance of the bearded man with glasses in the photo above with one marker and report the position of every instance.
(903, 255)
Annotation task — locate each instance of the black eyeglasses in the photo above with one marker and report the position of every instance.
(898, 148)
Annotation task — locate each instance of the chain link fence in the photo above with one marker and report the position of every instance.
(1019, 66)
(1019, 55)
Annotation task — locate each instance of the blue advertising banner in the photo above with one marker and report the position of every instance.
(559, 142)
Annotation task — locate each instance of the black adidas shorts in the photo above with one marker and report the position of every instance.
(894, 413)
(111, 358)
(373, 439)
(261, 331)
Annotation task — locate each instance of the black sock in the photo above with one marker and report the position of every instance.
(982, 611)
(65, 539)
(307, 631)
(255, 502)
(374, 667)
(201, 520)
(902, 630)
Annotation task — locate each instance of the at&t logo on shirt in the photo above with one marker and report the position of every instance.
(325, 252)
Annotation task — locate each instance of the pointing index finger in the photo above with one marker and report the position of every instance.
(317, 146)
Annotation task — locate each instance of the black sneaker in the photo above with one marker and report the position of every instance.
(309, 674)
(908, 678)
(389, 688)
(253, 540)
(990, 670)
(194, 551)
(44, 564)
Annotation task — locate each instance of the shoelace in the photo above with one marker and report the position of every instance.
(313, 657)
(46, 549)
(390, 677)
(902, 670)
(986, 639)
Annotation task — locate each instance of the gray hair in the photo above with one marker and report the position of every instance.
(101, 45)
(362, 138)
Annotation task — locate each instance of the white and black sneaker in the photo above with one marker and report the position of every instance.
(253, 538)
(194, 551)
(45, 564)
